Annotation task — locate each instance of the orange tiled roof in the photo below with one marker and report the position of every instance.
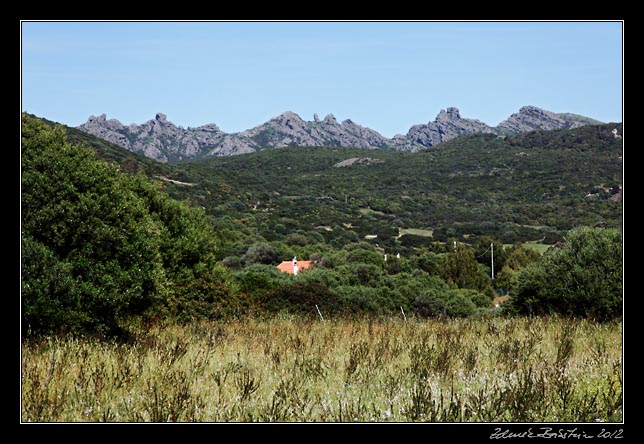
(287, 266)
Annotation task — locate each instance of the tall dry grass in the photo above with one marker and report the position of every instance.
(290, 369)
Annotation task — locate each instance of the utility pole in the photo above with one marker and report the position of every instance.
(492, 248)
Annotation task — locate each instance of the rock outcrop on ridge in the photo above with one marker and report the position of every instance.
(162, 140)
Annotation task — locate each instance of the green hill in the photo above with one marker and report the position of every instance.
(529, 187)
(128, 161)
(520, 188)
(103, 248)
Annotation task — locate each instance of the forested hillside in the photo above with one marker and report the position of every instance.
(111, 239)
(100, 247)
(530, 187)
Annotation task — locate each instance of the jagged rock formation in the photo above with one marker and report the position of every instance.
(447, 125)
(288, 129)
(160, 139)
(530, 118)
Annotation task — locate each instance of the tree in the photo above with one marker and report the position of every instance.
(81, 218)
(364, 253)
(429, 262)
(582, 278)
(261, 254)
(101, 247)
(483, 252)
(518, 257)
(441, 301)
(463, 271)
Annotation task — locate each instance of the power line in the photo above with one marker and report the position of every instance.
(491, 247)
(483, 254)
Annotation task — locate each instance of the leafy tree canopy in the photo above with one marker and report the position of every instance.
(582, 278)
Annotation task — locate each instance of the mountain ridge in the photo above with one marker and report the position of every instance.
(162, 140)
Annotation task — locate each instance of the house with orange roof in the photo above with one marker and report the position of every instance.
(293, 266)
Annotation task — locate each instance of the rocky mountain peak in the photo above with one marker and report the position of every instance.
(97, 119)
(102, 123)
(447, 125)
(330, 119)
(288, 115)
(160, 139)
(210, 127)
(530, 118)
(451, 113)
(529, 109)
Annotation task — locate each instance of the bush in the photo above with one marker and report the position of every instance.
(261, 254)
(88, 222)
(463, 271)
(480, 300)
(302, 298)
(258, 279)
(431, 304)
(458, 305)
(361, 300)
(101, 247)
(206, 298)
(582, 278)
(50, 296)
(365, 257)
(429, 262)
(412, 240)
(323, 276)
(441, 301)
(362, 274)
(518, 258)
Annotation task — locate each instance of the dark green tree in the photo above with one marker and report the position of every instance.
(518, 257)
(463, 271)
(262, 254)
(101, 247)
(483, 252)
(81, 217)
(582, 278)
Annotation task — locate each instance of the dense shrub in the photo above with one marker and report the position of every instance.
(262, 254)
(301, 298)
(480, 300)
(258, 279)
(49, 291)
(411, 240)
(327, 277)
(449, 303)
(429, 262)
(100, 247)
(458, 305)
(366, 257)
(582, 278)
(82, 216)
(362, 274)
(463, 271)
(364, 300)
(206, 295)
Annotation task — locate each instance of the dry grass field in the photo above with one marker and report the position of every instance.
(290, 369)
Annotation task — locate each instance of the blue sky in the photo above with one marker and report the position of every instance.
(384, 75)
